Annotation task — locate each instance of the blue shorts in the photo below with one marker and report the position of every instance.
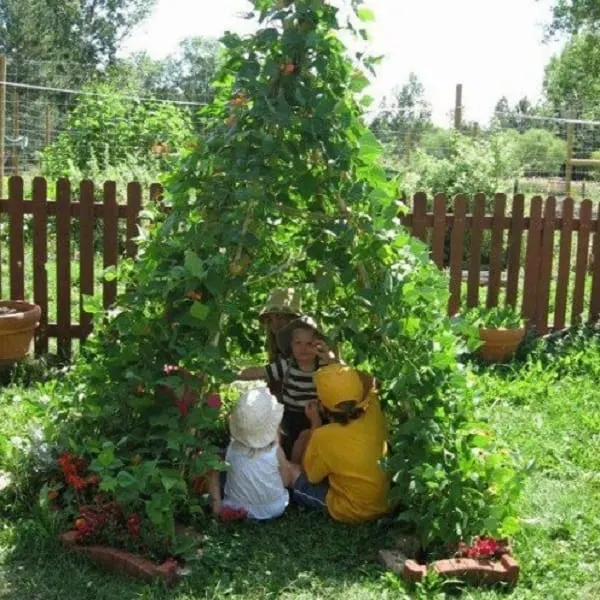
(311, 495)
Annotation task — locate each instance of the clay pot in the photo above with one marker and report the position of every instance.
(499, 344)
(18, 320)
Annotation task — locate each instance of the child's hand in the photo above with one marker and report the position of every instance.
(311, 410)
(323, 352)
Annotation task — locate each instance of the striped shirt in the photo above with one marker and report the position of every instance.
(298, 387)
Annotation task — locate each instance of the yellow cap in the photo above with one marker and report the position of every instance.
(338, 383)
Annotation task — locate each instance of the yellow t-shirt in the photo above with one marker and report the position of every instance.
(348, 455)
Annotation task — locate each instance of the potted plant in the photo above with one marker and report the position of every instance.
(501, 329)
(18, 320)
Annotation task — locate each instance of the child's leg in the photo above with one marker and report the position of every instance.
(214, 489)
(293, 423)
(300, 445)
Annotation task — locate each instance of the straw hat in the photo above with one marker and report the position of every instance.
(282, 300)
(255, 419)
(337, 383)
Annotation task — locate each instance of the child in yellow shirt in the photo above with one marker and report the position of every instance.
(341, 469)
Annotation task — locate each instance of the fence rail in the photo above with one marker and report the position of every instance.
(546, 262)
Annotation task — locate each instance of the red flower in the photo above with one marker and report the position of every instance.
(76, 482)
(213, 400)
(229, 514)
(133, 525)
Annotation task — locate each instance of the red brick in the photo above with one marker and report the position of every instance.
(119, 561)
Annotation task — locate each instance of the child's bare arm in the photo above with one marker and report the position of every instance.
(252, 373)
(214, 490)
(289, 472)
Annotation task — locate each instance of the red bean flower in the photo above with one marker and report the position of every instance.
(213, 400)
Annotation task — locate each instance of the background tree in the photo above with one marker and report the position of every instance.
(401, 122)
(572, 79)
(514, 117)
(573, 16)
(66, 38)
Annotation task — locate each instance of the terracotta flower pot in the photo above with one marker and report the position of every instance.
(18, 320)
(499, 344)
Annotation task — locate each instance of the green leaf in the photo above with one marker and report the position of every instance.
(125, 479)
(106, 458)
(169, 482)
(92, 304)
(108, 484)
(359, 82)
(365, 14)
(193, 264)
(110, 273)
(199, 311)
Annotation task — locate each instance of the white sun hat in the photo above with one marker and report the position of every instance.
(256, 418)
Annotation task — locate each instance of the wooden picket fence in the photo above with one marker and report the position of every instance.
(69, 207)
(523, 261)
(551, 290)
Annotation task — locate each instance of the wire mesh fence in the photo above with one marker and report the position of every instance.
(548, 154)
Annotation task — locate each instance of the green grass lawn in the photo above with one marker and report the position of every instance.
(546, 408)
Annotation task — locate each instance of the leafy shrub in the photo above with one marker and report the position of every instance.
(468, 166)
(110, 129)
(287, 190)
(495, 318)
(541, 152)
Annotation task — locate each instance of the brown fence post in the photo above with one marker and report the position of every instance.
(474, 277)
(583, 239)
(532, 260)
(419, 225)
(63, 267)
(134, 205)
(17, 245)
(39, 205)
(457, 242)
(439, 230)
(87, 221)
(545, 271)
(564, 264)
(595, 268)
(111, 240)
(515, 241)
(495, 273)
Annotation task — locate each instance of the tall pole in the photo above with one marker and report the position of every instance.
(15, 132)
(570, 141)
(458, 107)
(2, 119)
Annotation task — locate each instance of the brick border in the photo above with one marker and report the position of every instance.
(119, 561)
(474, 570)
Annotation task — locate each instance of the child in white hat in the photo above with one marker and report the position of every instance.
(259, 473)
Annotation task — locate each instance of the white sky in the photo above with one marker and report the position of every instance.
(492, 47)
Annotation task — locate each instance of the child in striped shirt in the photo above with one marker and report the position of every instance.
(304, 351)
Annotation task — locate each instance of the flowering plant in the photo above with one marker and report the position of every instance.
(96, 518)
(484, 547)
